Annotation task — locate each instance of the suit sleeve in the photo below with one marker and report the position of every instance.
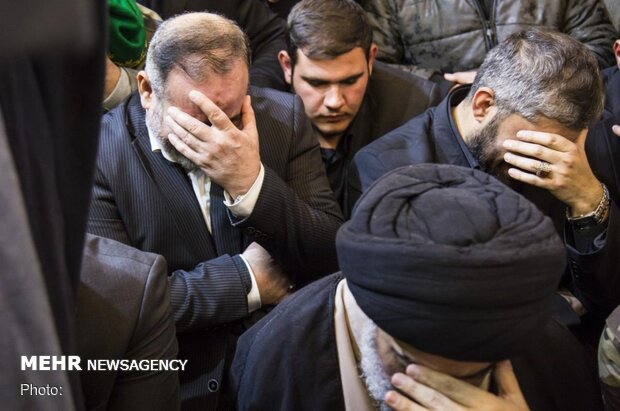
(296, 217)
(154, 339)
(211, 293)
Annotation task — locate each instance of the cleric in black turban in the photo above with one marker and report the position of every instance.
(451, 261)
(442, 266)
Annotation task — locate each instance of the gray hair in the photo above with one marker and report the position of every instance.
(194, 42)
(536, 73)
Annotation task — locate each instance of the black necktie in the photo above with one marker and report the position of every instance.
(228, 239)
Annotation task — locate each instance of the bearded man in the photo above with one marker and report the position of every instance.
(224, 181)
(525, 120)
(445, 268)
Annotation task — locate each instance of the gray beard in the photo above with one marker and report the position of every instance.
(374, 376)
(154, 124)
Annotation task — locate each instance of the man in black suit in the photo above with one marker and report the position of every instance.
(350, 99)
(528, 127)
(123, 312)
(192, 180)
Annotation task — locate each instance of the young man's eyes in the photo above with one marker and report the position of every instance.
(318, 83)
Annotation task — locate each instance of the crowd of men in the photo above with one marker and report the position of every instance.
(407, 205)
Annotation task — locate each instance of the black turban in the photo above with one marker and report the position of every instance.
(451, 261)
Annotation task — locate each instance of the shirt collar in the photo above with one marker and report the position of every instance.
(157, 147)
(454, 99)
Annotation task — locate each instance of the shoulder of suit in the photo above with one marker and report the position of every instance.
(101, 251)
(271, 95)
(391, 80)
(413, 131)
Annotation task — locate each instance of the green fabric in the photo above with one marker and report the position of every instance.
(127, 38)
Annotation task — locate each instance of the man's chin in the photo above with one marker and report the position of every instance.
(332, 130)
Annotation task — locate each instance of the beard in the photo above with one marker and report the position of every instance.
(376, 380)
(482, 145)
(155, 124)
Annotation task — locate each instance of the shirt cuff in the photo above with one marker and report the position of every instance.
(254, 302)
(242, 206)
(124, 87)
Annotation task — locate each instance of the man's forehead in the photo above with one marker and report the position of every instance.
(543, 124)
(349, 63)
(227, 91)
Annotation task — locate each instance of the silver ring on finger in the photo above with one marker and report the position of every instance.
(543, 169)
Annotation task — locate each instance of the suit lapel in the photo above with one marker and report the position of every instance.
(175, 189)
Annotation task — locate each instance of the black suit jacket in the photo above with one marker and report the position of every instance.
(123, 312)
(392, 97)
(593, 275)
(264, 28)
(143, 200)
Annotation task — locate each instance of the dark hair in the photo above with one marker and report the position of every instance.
(537, 73)
(325, 29)
(193, 42)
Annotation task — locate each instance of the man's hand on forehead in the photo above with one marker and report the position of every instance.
(227, 154)
(557, 164)
(423, 389)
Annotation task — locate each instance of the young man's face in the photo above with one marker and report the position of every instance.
(332, 90)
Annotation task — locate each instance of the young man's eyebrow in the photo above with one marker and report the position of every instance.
(320, 80)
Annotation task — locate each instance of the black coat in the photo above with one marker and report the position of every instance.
(392, 97)
(289, 361)
(143, 200)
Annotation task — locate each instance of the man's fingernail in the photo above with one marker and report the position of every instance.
(413, 369)
(398, 380)
(194, 95)
(391, 397)
(616, 129)
(507, 143)
(173, 110)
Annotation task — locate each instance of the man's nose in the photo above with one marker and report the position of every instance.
(334, 98)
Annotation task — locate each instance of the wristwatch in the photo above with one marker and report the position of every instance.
(593, 218)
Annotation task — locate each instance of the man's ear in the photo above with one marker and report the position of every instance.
(483, 103)
(372, 54)
(617, 52)
(286, 64)
(145, 89)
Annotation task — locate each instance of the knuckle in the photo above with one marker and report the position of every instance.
(193, 128)
(538, 151)
(434, 399)
(217, 116)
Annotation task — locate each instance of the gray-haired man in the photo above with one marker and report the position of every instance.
(525, 120)
(181, 173)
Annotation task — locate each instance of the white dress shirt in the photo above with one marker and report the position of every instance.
(241, 207)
